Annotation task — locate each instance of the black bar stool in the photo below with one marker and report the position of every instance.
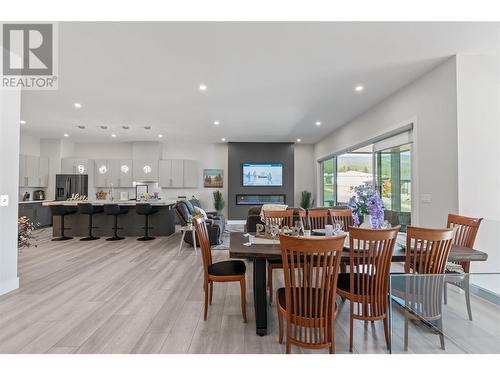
(62, 211)
(146, 209)
(91, 210)
(115, 210)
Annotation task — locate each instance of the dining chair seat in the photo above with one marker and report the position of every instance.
(344, 283)
(227, 268)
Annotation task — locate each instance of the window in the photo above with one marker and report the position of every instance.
(394, 183)
(384, 165)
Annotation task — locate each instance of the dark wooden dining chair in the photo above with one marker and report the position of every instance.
(466, 229)
(307, 302)
(224, 271)
(427, 252)
(318, 218)
(282, 219)
(343, 215)
(367, 283)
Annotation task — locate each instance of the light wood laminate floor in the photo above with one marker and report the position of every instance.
(141, 297)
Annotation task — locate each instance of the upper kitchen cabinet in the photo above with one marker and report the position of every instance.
(124, 167)
(190, 174)
(145, 170)
(75, 166)
(33, 171)
(175, 173)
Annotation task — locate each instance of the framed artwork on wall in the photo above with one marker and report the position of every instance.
(213, 178)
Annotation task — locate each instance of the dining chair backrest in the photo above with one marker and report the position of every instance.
(281, 218)
(310, 267)
(427, 249)
(370, 254)
(318, 218)
(466, 229)
(204, 240)
(344, 215)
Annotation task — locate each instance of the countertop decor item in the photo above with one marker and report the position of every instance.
(306, 201)
(367, 203)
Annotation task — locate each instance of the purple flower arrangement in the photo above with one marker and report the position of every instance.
(367, 201)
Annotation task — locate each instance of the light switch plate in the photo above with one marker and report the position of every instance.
(425, 198)
(4, 200)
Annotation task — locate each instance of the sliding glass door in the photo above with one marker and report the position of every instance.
(394, 183)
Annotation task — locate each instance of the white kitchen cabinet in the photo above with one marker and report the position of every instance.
(33, 171)
(124, 168)
(165, 173)
(177, 173)
(145, 170)
(43, 172)
(190, 174)
(75, 166)
(101, 173)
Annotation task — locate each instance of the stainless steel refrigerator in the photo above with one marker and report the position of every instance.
(69, 184)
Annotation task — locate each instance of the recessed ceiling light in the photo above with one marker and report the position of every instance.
(77, 105)
(318, 123)
(223, 139)
(359, 88)
(22, 122)
(81, 127)
(104, 127)
(216, 122)
(147, 127)
(299, 140)
(202, 87)
(160, 135)
(125, 127)
(66, 134)
(113, 135)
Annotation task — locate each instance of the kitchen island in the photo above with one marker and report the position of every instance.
(163, 222)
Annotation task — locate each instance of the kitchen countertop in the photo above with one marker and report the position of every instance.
(118, 202)
(32, 201)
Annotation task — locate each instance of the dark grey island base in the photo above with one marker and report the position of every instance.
(163, 223)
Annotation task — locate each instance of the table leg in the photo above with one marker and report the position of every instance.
(182, 241)
(259, 296)
(194, 242)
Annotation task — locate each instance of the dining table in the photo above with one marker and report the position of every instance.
(261, 253)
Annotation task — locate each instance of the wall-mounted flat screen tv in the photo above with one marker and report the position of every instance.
(261, 174)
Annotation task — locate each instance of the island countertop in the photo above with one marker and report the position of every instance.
(101, 202)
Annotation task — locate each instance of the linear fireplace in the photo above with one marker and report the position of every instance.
(258, 199)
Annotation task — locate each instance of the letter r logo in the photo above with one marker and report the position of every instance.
(28, 49)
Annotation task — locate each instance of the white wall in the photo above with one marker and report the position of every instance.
(305, 173)
(10, 110)
(29, 145)
(431, 102)
(478, 97)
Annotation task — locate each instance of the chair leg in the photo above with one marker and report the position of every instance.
(270, 282)
(243, 299)
(441, 334)
(351, 327)
(406, 333)
(211, 291)
(445, 293)
(280, 323)
(206, 301)
(467, 297)
(332, 339)
(386, 333)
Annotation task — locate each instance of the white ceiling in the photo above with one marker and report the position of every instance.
(266, 81)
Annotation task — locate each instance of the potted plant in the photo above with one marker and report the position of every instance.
(366, 203)
(218, 201)
(25, 228)
(306, 202)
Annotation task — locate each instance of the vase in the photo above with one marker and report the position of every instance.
(367, 222)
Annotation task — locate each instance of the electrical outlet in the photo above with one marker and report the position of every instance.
(4, 200)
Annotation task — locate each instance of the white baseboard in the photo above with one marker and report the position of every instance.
(9, 285)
